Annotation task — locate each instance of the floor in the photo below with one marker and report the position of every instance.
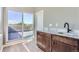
(15, 48)
(22, 47)
(33, 47)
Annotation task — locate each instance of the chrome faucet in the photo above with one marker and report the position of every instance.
(68, 29)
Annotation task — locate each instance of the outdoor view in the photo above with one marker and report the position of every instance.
(18, 27)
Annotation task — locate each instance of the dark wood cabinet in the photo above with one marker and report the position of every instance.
(63, 44)
(58, 46)
(55, 43)
(44, 41)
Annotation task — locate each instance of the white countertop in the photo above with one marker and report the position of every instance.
(74, 35)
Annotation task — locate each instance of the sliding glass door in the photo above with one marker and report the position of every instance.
(14, 25)
(20, 25)
(27, 25)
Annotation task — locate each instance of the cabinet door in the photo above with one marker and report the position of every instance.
(47, 42)
(63, 44)
(40, 40)
(44, 41)
(69, 48)
(47, 38)
(58, 46)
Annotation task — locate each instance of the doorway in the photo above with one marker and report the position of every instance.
(20, 25)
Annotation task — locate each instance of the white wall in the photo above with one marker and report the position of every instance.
(39, 20)
(60, 15)
(5, 24)
(1, 28)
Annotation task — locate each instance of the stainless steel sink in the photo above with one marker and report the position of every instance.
(69, 34)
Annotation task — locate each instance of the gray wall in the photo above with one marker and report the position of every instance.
(60, 15)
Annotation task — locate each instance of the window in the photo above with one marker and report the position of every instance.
(20, 25)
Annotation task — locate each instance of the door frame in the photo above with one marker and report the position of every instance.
(5, 25)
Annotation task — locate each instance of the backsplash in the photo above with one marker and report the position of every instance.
(74, 31)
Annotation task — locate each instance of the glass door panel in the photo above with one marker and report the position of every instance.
(27, 25)
(14, 25)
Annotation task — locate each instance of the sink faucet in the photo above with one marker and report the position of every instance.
(68, 29)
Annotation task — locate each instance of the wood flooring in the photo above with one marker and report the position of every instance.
(22, 47)
(15, 48)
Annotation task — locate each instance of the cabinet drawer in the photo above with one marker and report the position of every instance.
(66, 40)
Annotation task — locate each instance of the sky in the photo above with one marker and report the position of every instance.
(16, 17)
